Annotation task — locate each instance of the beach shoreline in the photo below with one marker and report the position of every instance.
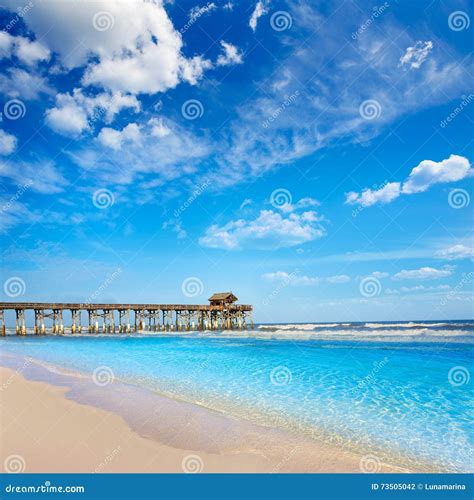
(57, 422)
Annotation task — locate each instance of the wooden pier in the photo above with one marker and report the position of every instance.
(220, 314)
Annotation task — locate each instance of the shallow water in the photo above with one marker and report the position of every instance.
(399, 394)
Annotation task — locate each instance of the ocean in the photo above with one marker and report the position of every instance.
(397, 390)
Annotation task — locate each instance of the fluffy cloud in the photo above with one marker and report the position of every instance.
(115, 138)
(415, 56)
(15, 82)
(416, 288)
(8, 143)
(27, 51)
(269, 230)
(296, 279)
(369, 197)
(259, 11)
(424, 273)
(456, 252)
(231, 55)
(125, 46)
(73, 112)
(427, 173)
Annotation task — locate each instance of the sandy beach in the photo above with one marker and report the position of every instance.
(43, 430)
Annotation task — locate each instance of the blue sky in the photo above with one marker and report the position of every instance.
(312, 157)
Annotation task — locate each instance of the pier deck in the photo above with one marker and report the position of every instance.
(125, 318)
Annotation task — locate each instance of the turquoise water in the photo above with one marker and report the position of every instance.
(402, 399)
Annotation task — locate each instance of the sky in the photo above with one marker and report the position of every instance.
(315, 158)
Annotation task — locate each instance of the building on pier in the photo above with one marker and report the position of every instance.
(222, 313)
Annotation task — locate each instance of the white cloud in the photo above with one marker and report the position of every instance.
(369, 197)
(342, 278)
(415, 56)
(158, 127)
(17, 82)
(27, 51)
(140, 52)
(74, 112)
(269, 230)
(8, 143)
(42, 177)
(231, 55)
(303, 203)
(429, 172)
(115, 138)
(258, 12)
(379, 275)
(416, 288)
(198, 11)
(456, 252)
(424, 273)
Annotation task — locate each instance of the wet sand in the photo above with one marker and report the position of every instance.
(57, 422)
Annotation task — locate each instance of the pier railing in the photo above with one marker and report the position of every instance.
(126, 318)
